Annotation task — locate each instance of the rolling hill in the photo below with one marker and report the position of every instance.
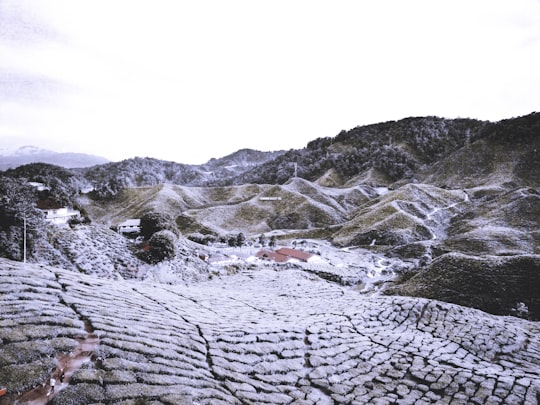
(424, 289)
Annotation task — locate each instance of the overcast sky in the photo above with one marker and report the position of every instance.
(191, 80)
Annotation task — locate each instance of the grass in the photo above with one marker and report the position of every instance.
(403, 214)
(82, 393)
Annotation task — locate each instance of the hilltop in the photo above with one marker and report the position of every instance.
(113, 177)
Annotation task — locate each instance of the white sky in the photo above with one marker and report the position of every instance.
(191, 80)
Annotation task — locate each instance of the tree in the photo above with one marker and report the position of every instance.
(153, 222)
(240, 239)
(273, 241)
(61, 185)
(19, 217)
(262, 239)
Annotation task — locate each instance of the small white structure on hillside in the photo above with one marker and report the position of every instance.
(130, 226)
(270, 198)
(38, 186)
(56, 213)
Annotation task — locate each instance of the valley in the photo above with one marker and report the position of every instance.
(415, 281)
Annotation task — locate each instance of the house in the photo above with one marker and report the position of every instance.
(297, 254)
(130, 226)
(271, 256)
(56, 213)
(284, 255)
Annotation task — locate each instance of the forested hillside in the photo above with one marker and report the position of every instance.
(409, 150)
(396, 149)
(111, 178)
(20, 190)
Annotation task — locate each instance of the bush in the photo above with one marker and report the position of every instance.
(80, 394)
(240, 239)
(162, 246)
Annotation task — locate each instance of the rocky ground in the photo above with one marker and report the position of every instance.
(260, 336)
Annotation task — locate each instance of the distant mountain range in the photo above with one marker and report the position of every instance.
(32, 154)
(415, 149)
(440, 151)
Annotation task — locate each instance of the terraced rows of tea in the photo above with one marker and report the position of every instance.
(276, 337)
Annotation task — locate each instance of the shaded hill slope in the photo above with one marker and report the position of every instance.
(264, 337)
(450, 152)
(498, 285)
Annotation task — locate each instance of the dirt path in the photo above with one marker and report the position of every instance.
(68, 364)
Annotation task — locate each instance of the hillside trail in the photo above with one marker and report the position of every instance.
(431, 214)
(68, 364)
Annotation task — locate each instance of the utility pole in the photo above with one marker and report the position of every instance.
(24, 239)
(24, 235)
(295, 169)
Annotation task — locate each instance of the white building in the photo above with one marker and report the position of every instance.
(56, 213)
(38, 186)
(130, 226)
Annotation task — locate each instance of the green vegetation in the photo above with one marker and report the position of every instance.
(153, 222)
(494, 285)
(162, 246)
(160, 234)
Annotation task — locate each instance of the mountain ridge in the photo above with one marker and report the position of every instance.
(409, 150)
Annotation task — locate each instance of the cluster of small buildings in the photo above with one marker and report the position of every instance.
(60, 215)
